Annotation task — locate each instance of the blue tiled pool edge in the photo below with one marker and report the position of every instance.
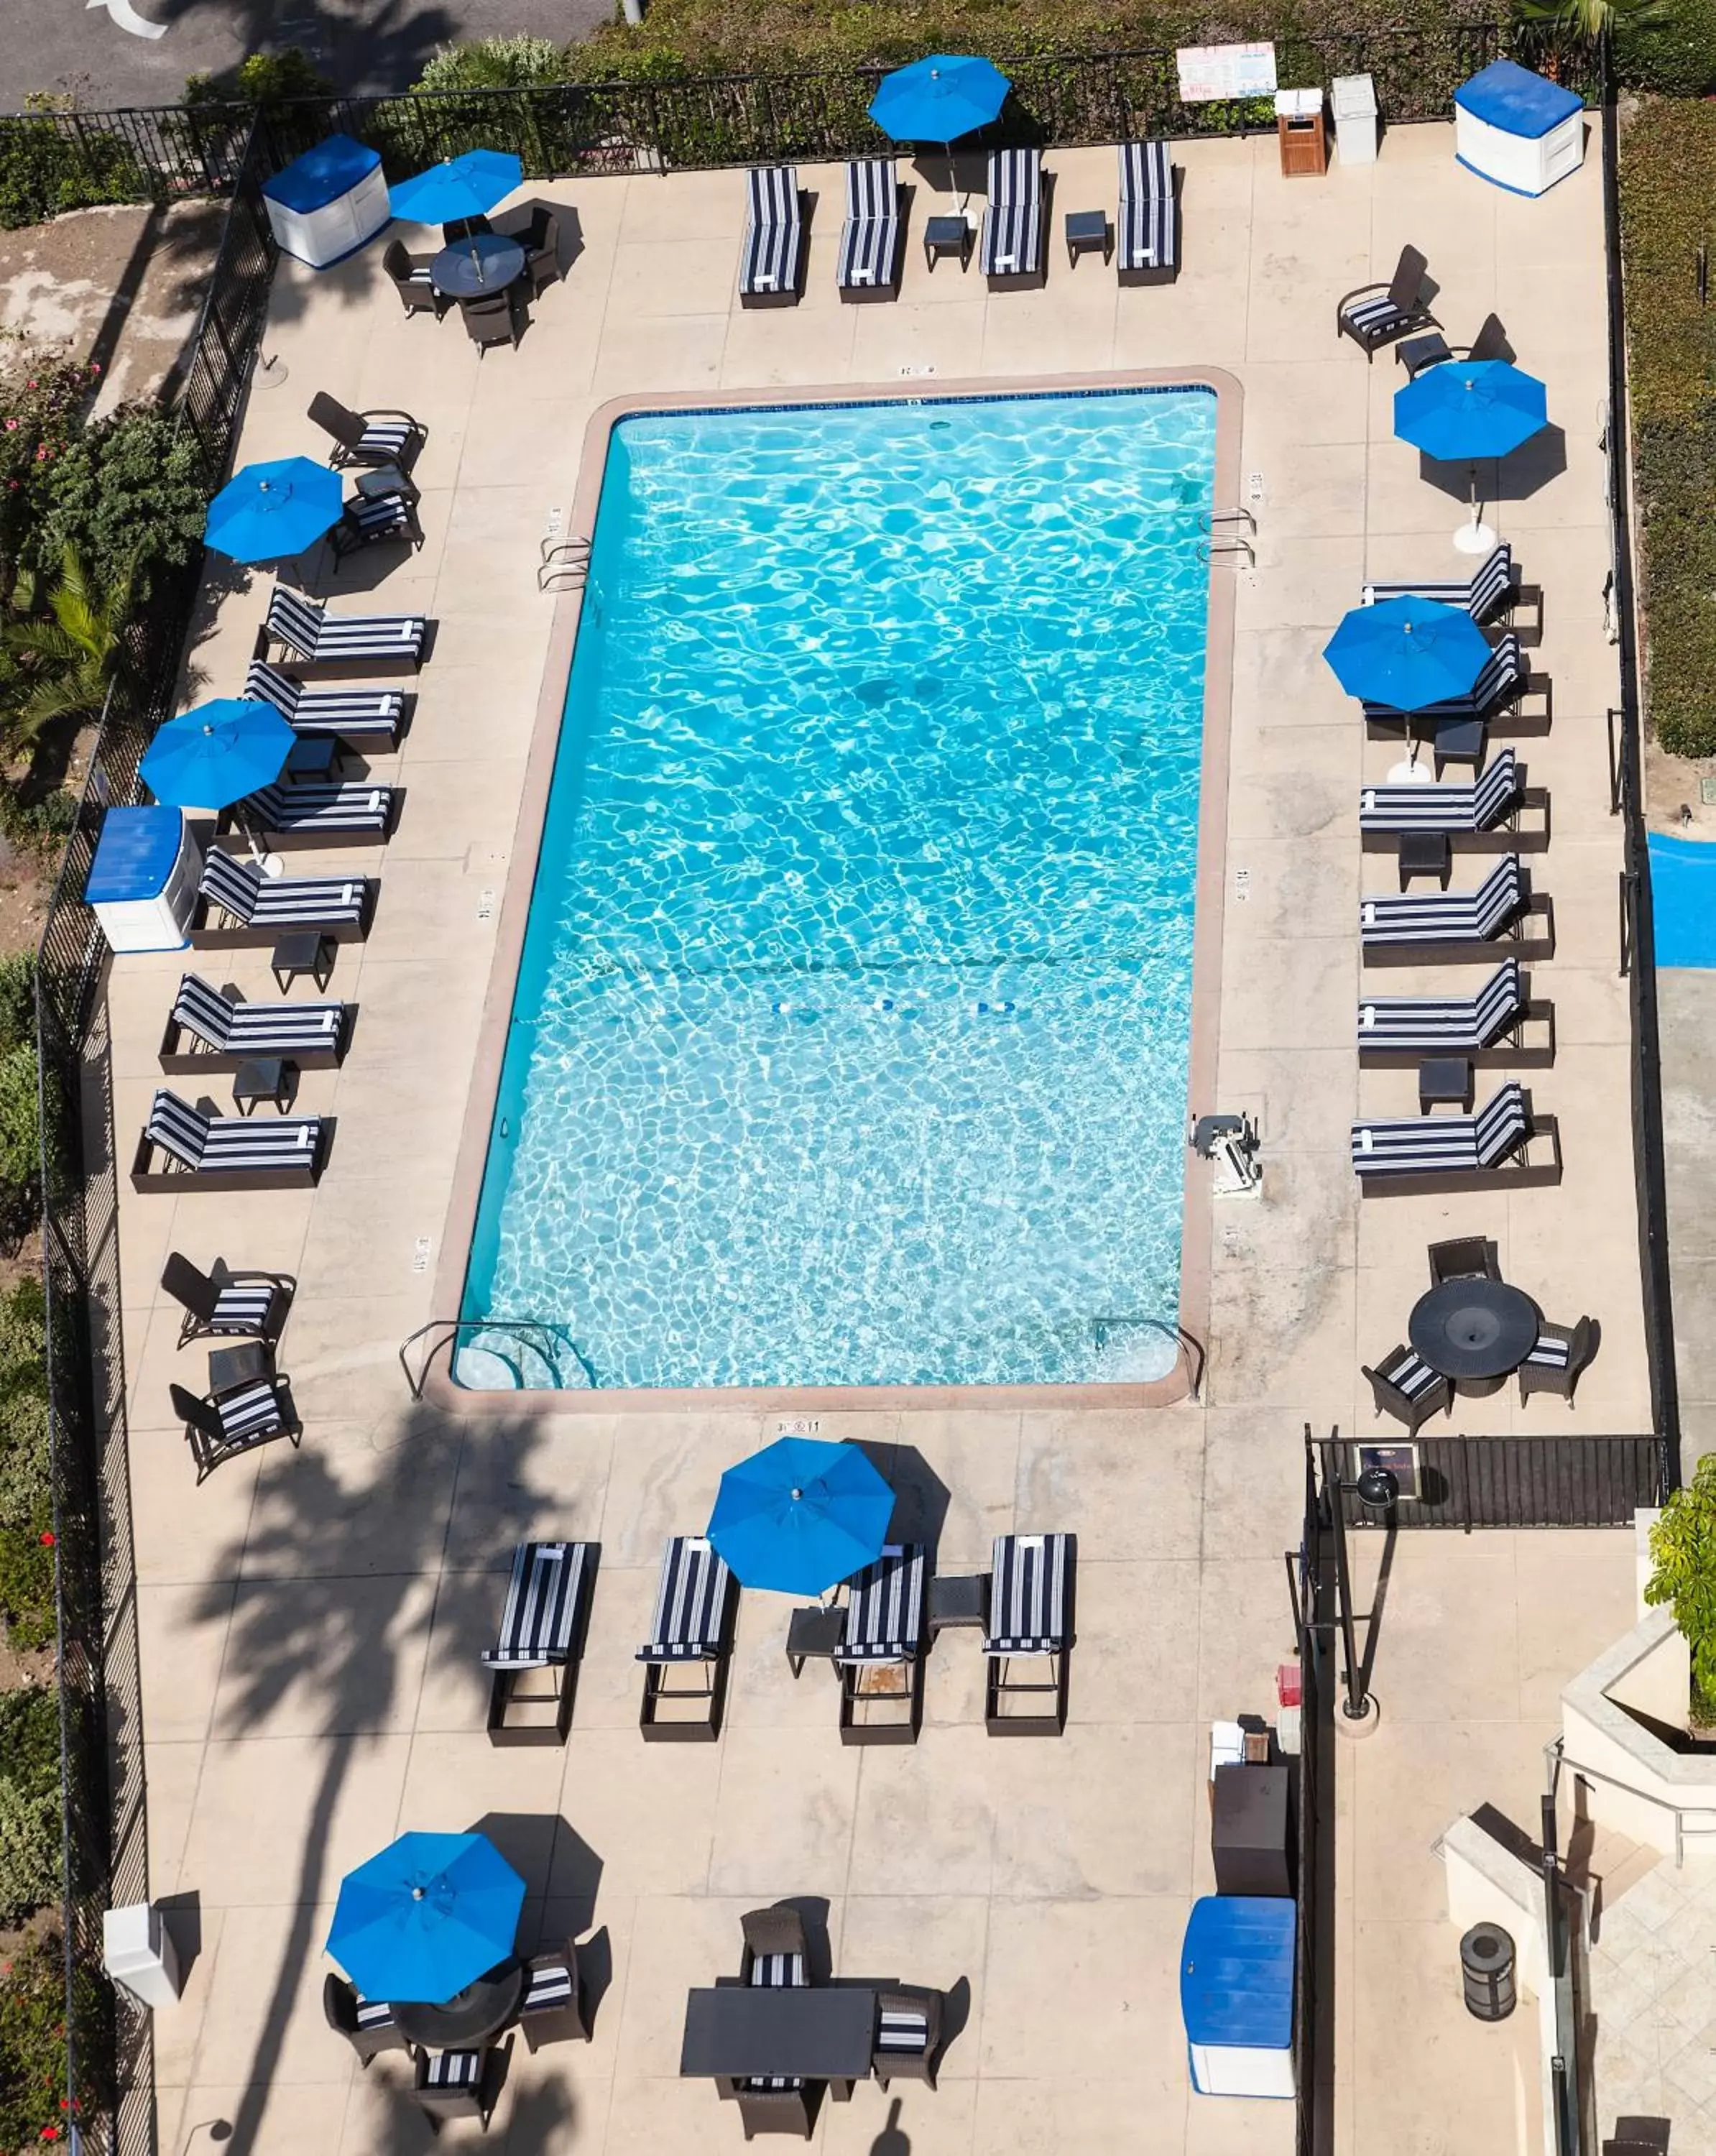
(455, 1250)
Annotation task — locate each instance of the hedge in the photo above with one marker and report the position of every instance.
(1667, 184)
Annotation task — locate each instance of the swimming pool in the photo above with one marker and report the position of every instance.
(849, 1044)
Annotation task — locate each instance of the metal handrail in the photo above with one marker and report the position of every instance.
(449, 1328)
(1188, 1348)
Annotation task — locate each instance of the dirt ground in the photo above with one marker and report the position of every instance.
(122, 286)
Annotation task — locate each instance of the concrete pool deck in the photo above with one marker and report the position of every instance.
(311, 1620)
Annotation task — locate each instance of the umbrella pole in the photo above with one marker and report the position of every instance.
(1475, 537)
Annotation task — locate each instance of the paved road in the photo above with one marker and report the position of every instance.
(368, 45)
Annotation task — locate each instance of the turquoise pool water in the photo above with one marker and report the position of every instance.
(849, 1045)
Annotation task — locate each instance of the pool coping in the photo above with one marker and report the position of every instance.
(1210, 887)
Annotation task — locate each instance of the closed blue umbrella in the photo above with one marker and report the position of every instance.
(1461, 412)
(429, 1915)
(217, 753)
(457, 187)
(800, 1516)
(938, 100)
(268, 511)
(1407, 652)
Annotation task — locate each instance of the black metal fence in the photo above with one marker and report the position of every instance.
(1467, 1482)
(1312, 1582)
(110, 2055)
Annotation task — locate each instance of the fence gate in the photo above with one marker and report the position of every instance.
(1509, 1481)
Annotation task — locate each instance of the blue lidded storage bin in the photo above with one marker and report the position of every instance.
(327, 203)
(1517, 129)
(1236, 1995)
(142, 883)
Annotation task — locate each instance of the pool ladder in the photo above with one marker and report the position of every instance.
(1215, 543)
(567, 558)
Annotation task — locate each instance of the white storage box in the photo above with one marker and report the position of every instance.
(1518, 129)
(143, 880)
(1236, 1995)
(138, 1951)
(1353, 98)
(327, 203)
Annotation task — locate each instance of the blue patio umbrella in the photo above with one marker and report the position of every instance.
(1460, 413)
(1407, 652)
(938, 100)
(457, 187)
(429, 1915)
(217, 753)
(800, 1515)
(267, 512)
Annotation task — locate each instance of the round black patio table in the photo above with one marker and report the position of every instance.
(1477, 1328)
(487, 262)
(481, 2009)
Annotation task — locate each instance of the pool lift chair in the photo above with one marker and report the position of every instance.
(1231, 1141)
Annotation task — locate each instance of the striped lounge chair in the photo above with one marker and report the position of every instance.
(1492, 585)
(1149, 249)
(315, 812)
(1401, 1029)
(1414, 929)
(215, 1030)
(219, 1428)
(1403, 1385)
(367, 438)
(1378, 314)
(553, 2007)
(339, 643)
(256, 909)
(868, 264)
(1434, 1153)
(776, 1955)
(367, 2025)
(1030, 1618)
(693, 1630)
(199, 1151)
(772, 260)
(1503, 678)
(224, 1305)
(1486, 812)
(883, 1642)
(1010, 249)
(368, 716)
(542, 1626)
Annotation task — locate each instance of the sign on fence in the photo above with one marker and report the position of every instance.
(1207, 72)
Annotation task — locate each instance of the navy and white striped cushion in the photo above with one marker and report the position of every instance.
(249, 1411)
(384, 439)
(245, 1308)
(1444, 1025)
(540, 1608)
(336, 710)
(239, 889)
(177, 1128)
(1028, 1595)
(1437, 1145)
(306, 626)
(227, 1142)
(1477, 807)
(374, 2014)
(884, 1608)
(549, 1987)
(769, 261)
(902, 2031)
(777, 1972)
(1409, 1374)
(254, 1028)
(1549, 1353)
(1453, 916)
(454, 2070)
(1478, 593)
(693, 1604)
(770, 2084)
(1149, 222)
(1503, 673)
(321, 805)
(378, 516)
(1373, 314)
(869, 237)
(1012, 238)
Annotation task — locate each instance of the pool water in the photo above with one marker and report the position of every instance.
(850, 1042)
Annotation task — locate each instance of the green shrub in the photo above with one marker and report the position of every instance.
(1667, 180)
(125, 491)
(263, 79)
(32, 1858)
(1684, 1556)
(33, 2056)
(515, 63)
(1676, 57)
(26, 1492)
(45, 170)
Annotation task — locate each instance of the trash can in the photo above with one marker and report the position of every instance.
(1486, 1972)
(138, 1951)
(1354, 97)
